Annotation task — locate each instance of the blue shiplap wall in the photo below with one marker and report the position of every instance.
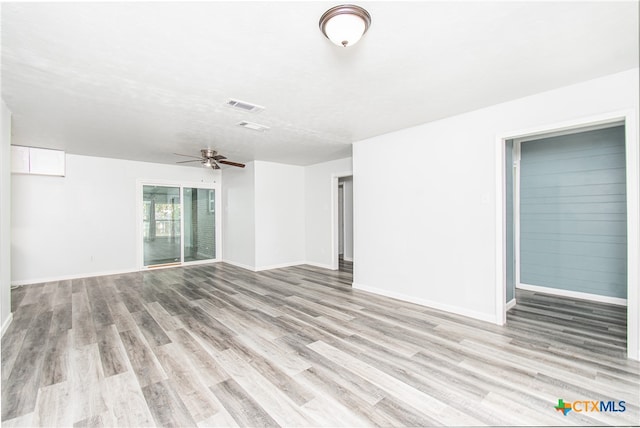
(573, 212)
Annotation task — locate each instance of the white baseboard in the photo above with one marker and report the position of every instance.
(278, 266)
(574, 294)
(106, 273)
(240, 265)
(6, 323)
(319, 265)
(199, 262)
(428, 303)
(261, 268)
(510, 304)
(74, 276)
(282, 265)
(133, 270)
(348, 259)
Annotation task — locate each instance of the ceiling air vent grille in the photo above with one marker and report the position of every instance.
(244, 106)
(253, 126)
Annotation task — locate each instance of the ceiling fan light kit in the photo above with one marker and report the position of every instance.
(210, 163)
(344, 25)
(210, 158)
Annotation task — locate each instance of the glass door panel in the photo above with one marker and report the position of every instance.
(161, 225)
(199, 224)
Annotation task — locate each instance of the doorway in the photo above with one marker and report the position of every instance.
(629, 281)
(178, 224)
(161, 225)
(345, 224)
(342, 222)
(571, 214)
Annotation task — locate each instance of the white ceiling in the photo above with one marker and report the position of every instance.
(142, 80)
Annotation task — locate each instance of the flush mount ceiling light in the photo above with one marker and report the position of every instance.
(344, 25)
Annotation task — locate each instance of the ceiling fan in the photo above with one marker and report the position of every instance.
(210, 158)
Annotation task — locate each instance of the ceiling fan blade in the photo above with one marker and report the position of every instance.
(239, 165)
(195, 160)
(189, 156)
(218, 157)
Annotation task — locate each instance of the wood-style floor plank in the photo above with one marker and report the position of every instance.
(126, 402)
(52, 407)
(143, 360)
(186, 380)
(165, 404)
(217, 345)
(112, 354)
(242, 407)
(20, 391)
(55, 368)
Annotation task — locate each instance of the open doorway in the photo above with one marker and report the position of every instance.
(342, 222)
(570, 217)
(345, 224)
(536, 250)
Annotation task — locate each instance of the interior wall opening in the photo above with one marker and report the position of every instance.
(566, 258)
(343, 217)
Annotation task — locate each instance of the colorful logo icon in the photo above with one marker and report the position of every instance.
(563, 407)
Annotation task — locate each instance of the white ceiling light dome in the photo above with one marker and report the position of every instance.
(344, 25)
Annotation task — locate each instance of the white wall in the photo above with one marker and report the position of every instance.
(319, 194)
(348, 217)
(424, 230)
(263, 221)
(238, 220)
(84, 223)
(5, 218)
(279, 217)
(238, 217)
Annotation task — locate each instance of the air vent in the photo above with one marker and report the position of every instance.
(254, 126)
(244, 106)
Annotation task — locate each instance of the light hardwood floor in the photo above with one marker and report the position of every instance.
(215, 345)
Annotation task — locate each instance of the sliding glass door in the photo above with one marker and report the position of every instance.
(161, 225)
(199, 224)
(178, 225)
